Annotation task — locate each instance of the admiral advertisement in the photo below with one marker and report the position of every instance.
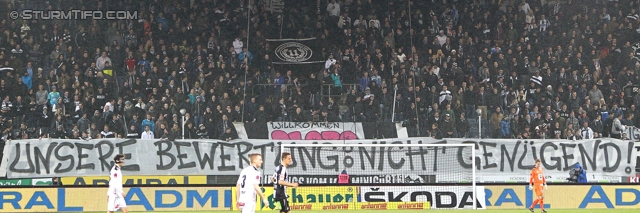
(565, 197)
(94, 199)
(324, 198)
(135, 180)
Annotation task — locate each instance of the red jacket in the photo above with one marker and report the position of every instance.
(131, 63)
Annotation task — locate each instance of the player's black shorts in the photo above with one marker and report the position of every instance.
(280, 194)
(284, 204)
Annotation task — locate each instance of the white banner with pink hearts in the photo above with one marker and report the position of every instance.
(315, 131)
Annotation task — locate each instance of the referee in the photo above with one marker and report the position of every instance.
(281, 184)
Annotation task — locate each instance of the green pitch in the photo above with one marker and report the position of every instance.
(435, 211)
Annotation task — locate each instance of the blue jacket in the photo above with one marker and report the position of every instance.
(27, 80)
(242, 55)
(336, 80)
(364, 83)
(582, 175)
(504, 128)
(151, 124)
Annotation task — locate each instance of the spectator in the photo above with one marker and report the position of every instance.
(94, 132)
(365, 80)
(41, 95)
(174, 133)
(133, 132)
(245, 54)
(148, 122)
(202, 132)
(448, 126)
(85, 136)
(495, 120)
(617, 128)
(106, 133)
(505, 128)
(586, 132)
(434, 132)
(337, 82)
(330, 62)
(228, 135)
(595, 94)
(462, 126)
(162, 131)
(148, 133)
(102, 60)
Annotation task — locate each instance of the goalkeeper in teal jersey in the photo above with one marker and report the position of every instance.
(280, 183)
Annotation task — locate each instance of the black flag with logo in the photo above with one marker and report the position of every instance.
(296, 51)
(636, 51)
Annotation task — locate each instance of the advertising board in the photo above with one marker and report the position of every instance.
(91, 199)
(135, 180)
(440, 197)
(26, 182)
(565, 197)
(94, 199)
(312, 198)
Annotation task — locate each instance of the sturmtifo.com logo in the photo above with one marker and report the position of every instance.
(74, 15)
(293, 52)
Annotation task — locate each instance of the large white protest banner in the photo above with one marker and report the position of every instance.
(633, 133)
(494, 157)
(315, 131)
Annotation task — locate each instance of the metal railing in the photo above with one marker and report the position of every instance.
(326, 90)
(266, 86)
(330, 90)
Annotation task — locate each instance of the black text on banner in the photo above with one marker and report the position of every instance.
(63, 158)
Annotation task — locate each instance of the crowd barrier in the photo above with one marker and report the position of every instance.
(203, 198)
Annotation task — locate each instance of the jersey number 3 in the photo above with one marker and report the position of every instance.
(244, 178)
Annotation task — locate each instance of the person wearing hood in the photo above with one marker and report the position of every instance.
(579, 174)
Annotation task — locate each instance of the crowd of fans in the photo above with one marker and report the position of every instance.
(535, 68)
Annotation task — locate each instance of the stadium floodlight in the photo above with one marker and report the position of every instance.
(395, 176)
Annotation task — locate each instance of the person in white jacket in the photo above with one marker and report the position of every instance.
(330, 62)
(333, 8)
(147, 134)
(586, 132)
(102, 60)
(238, 45)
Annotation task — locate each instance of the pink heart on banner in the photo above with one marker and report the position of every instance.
(282, 135)
(313, 135)
(330, 135)
(348, 135)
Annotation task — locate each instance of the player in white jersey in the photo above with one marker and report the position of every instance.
(280, 183)
(248, 186)
(115, 195)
